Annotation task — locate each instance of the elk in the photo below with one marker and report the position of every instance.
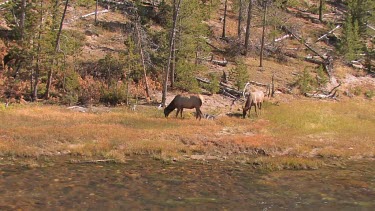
(254, 99)
(180, 102)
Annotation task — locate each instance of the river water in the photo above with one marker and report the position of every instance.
(150, 184)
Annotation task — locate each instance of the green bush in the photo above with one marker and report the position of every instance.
(114, 95)
(357, 91)
(70, 83)
(369, 94)
(214, 86)
(305, 82)
(241, 74)
(185, 79)
(322, 78)
(70, 98)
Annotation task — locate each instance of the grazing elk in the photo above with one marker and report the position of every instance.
(180, 102)
(254, 99)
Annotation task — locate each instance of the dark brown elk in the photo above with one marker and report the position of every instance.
(180, 102)
(253, 99)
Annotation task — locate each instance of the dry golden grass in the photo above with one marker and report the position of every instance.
(299, 129)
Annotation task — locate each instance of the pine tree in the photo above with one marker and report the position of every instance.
(351, 44)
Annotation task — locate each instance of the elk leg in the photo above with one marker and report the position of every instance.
(178, 110)
(244, 112)
(199, 113)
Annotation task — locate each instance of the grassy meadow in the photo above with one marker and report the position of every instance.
(292, 133)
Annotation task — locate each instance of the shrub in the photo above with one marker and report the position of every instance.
(186, 77)
(321, 77)
(369, 94)
(114, 95)
(357, 91)
(214, 86)
(241, 74)
(305, 82)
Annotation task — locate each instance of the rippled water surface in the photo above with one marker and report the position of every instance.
(150, 184)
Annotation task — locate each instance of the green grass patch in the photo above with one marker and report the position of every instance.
(344, 120)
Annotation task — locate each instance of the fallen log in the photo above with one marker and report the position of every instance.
(371, 27)
(223, 92)
(220, 62)
(320, 96)
(223, 62)
(314, 60)
(304, 43)
(330, 32)
(357, 64)
(282, 38)
(214, 47)
(258, 83)
(330, 95)
(93, 13)
(328, 61)
(224, 87)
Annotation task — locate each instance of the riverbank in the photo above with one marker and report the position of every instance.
(293, 135)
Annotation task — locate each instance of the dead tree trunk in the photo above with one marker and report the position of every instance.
(171, 41)
(22, 19)
(225, 18)
(57, 43)
(142, 56)
(263, 32)
(173, 51)
(247, 36)
(321, 10)
(96, 12)
(239, 19)
(34, 95)
(173, 64)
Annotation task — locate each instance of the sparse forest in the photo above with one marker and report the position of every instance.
(113, 52)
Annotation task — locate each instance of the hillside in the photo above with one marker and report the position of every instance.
(284, 59)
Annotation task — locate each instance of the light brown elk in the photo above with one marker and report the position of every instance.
(254, 99)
